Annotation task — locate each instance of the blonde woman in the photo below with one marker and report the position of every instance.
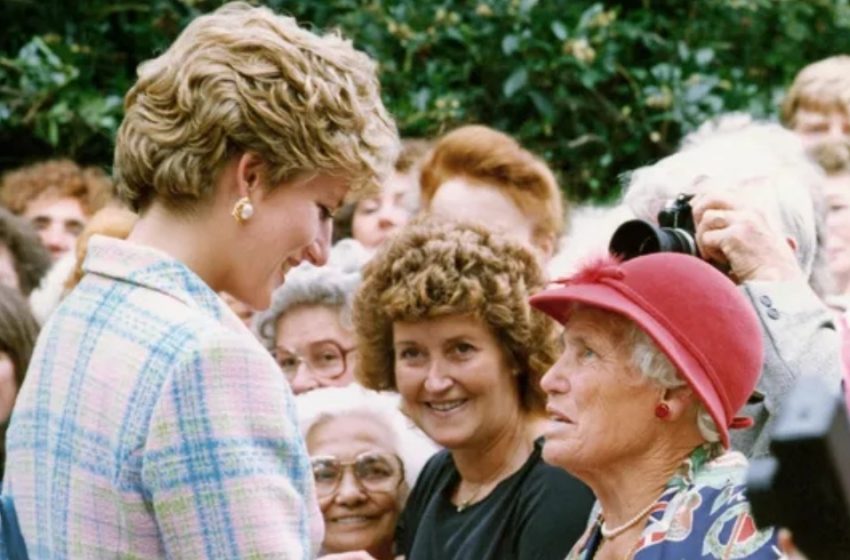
(152, 424)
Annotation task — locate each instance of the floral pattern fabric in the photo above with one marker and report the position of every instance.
(702, 514)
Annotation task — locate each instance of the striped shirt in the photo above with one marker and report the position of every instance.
(153, 425)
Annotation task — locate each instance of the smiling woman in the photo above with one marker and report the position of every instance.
(443, 318)
(365, 457)
(238, 143)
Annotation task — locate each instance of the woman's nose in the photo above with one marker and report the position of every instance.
(349, 490)
(304, 380)
(437, 381)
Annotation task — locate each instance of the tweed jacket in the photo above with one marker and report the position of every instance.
(153, 425)
(800, 338)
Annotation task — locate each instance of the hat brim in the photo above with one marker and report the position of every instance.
(557, 303)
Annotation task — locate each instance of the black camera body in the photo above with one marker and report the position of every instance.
(675, 233)
(805, 485)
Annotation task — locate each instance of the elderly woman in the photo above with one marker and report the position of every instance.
(308, 326)
(443, 318)
(660, 353)
(152, 423)
(365, 457)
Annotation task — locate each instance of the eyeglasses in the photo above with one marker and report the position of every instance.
(326, 359)
(376, 472)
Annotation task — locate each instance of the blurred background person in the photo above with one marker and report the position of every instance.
(18, 332)
(372, 220)
(57, 197)
(23, 259)
(365, 456)
(817, 105)
(238, 143)
(308, 327)
(660, 354)
(66, 273)
(476, 173)
(443, 318)
(756, 217)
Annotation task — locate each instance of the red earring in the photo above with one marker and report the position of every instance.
(662, 411)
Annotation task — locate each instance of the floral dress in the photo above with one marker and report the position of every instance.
(702, 514)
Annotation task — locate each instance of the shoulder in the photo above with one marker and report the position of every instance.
(435, 474)
(553, 491)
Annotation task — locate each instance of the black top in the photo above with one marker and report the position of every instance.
(537, 513)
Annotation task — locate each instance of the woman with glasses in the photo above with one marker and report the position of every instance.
(443, 318)
(308, 328)
(365, 456)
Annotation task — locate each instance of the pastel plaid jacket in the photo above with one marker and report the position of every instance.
(153, 425)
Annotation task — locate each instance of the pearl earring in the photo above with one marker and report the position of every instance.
(243, 210)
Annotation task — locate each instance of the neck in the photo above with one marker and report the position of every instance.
(629, 485)
(500, 456)
(382, 551)
(191, 240)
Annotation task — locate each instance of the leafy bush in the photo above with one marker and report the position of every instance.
(597, 88)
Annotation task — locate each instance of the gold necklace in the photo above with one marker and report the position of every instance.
(468, 501)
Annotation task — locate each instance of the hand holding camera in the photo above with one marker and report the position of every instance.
(740, 239)
(719, 228)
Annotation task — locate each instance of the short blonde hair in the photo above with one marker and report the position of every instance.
(244, 79)
(480, 153)
(91, 186)
(822, 86)
(434, 269)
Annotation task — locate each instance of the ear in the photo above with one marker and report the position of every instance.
(249, 168)
(678, 400)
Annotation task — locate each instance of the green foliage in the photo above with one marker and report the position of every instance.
(597, 88)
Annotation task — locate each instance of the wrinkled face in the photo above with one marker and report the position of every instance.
(58, 220)
(838, 228)
(600, 406)
(818, 127)
(8, 387)
(291, 223)
(355, 517)
(313, 349)
(487, 205)
(455, 380)
(8, 274)
(376, 219)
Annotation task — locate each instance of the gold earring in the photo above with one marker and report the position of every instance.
(243, 210)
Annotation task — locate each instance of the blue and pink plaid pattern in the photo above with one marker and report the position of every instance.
(153, 425)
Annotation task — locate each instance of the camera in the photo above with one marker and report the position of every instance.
(805, 484)
(675, 232)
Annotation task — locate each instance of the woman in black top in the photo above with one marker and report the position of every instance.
(443, 318)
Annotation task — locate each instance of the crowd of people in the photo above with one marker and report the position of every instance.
(281, 331)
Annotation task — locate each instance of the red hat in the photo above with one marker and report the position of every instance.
(694, 313)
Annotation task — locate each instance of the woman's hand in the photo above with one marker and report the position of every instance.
(353, 555)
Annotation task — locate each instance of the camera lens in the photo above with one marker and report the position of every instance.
(636, 237)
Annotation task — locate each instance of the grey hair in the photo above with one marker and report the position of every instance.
(332, 285)
(733, 151)
(410, 444)
(656, 366)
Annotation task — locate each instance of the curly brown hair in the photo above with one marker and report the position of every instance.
(59, 177)
(433, 269)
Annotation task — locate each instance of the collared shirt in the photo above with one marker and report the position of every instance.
(152, 424)
(702, 514)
